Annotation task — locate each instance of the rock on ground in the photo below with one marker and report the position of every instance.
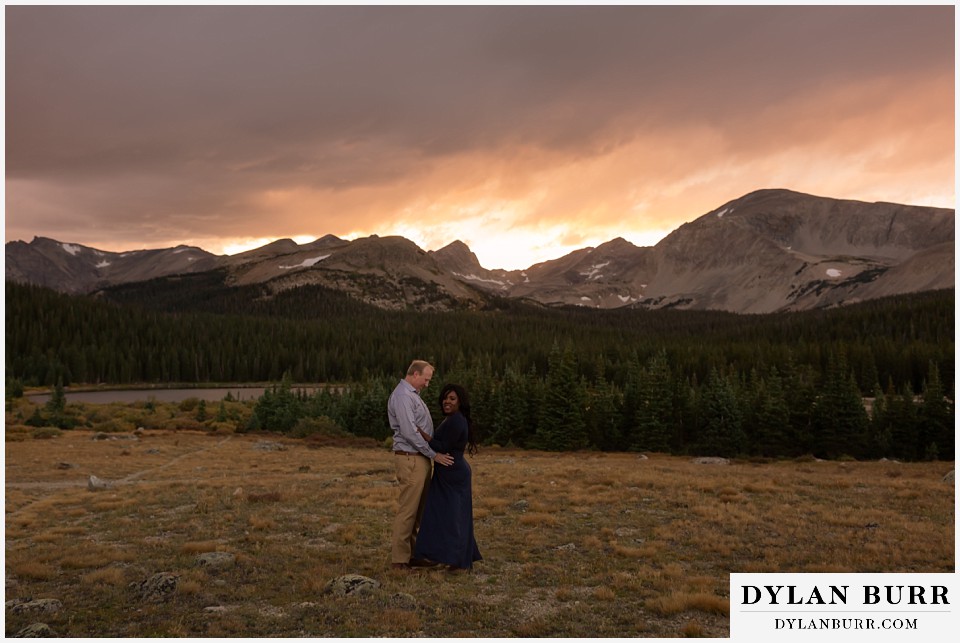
(36, 631)
(156, 588)
(38, 606)
(352, 584)
(216, 560)
(96, 484)
(711, 461)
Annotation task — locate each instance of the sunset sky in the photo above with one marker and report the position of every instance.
(526, 132)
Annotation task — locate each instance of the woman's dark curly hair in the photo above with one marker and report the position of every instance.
(464, 409)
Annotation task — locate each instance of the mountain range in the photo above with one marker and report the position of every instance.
(768, 251)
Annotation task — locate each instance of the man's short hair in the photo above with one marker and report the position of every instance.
(418, 366)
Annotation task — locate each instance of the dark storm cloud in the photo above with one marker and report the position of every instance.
(195, 111)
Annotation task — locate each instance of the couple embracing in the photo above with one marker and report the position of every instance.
(434, 521)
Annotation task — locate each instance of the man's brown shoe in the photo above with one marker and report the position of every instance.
(400, 566)
(419, 562)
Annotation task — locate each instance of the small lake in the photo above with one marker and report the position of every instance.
(128, 396)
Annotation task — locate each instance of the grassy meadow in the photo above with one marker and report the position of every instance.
(574, 545)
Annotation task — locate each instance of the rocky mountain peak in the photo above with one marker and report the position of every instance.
(327, 241)
(457, 257)
(381, 252)
(770, 250)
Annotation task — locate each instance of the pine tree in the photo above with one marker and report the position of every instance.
(801, 394)
(278, 409)
(904, 423)
(880, 434)
(653, 417)
(771, 417)
(603, 415)
(687, 414)
(57, 403)
(935, 420)
(509, 409)
(56, 407)
(562, 426)
(839, 417)
(631, 402)
(222, 411)
(535, 390)
(370, 416)
(721, 427)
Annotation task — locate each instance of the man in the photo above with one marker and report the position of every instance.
(412, 457)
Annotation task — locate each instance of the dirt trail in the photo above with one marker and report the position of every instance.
(132, 478)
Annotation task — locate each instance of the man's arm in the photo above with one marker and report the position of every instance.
(406, 419)
(439, 446)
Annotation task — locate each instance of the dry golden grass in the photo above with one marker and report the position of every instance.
(574, 545)
(680, 602)
(113, 576)
(692, 630)
(199, 547)
(31, 570)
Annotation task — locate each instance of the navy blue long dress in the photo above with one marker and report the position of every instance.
(446, 530)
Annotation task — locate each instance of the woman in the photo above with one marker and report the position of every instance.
(446, 531)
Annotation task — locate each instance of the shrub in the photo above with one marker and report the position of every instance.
(46, 433)
(114, 425)
(14, 388)
(36, 419)
(318, 425)
(221, 427)
(278, 409)
(16, 433)
(187, 423)
(148, 421)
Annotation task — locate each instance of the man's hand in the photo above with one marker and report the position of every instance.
(443, 458)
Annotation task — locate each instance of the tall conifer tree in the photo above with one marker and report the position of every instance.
(936, 432)
(562, 426)
(721, 421)
(654, 417)
(839, 418)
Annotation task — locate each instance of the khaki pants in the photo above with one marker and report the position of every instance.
(413, 474)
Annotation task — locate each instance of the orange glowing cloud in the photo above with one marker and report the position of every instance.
(525, 132)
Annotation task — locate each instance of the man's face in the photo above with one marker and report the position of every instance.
(422, 380)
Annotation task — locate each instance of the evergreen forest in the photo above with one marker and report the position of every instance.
(870, 380)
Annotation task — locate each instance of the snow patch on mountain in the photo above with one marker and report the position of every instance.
(497, 282)
(306, 263)
(594, 271)
(780, 251)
